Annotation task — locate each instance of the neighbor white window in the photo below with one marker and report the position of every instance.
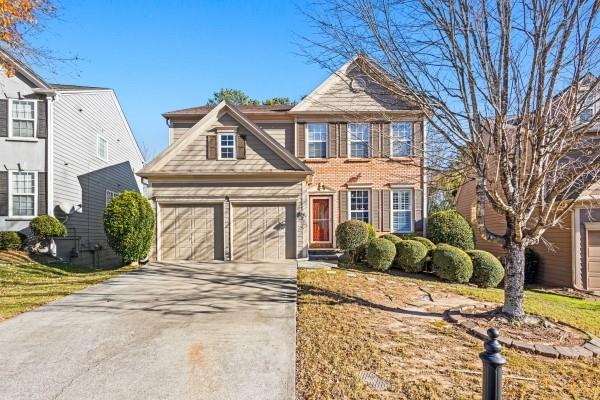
(22, 187)
(588, 109)
(401, 136)
(22, 118)
(402, 214)
(358, 140)
(226, 144)
(316, 140)
(102, 147)
(110, 195)
(359, 205)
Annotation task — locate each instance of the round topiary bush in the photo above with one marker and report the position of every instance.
(129, 225)
(351, 234)
(425, 242)
(451, 228)
(372, 231)
(392, 238)
(45, 227)
(380, 254)
(487, 269)
(411, 256)
(452, 264)
(11, 240)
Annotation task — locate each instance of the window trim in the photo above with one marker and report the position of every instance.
(227, 133)
(412, 208)
(10, 120)
(410, 141)
(112, 194)
(350, 140)
(592, 106)
(307, 140)
(11, 194)
(350, 202)
(98, 138)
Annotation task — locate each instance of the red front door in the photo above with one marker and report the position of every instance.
(321, 220)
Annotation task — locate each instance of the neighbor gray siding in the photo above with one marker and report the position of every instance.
(81, 178)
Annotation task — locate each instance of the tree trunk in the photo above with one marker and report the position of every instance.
(514, 281)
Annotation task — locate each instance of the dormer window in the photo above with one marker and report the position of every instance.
(226, 143)
(587, 113)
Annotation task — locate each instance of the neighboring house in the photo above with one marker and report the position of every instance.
(256, 182)
(573, 258)
(65, 151)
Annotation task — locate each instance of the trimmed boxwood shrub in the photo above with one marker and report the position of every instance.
(425, 242)
(11, 240)
(351, 234)
(360, 254)
(392, 238)
(372, 231)
(451, 228)
(487, 269)
(380, 254)
(452, 264)
(129, 225)
(45, 227)
(411, 256)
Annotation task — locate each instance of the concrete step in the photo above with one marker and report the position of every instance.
(322, 254)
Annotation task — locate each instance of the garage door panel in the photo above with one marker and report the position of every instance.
(260, 232)
(188, 232)
(593, 258)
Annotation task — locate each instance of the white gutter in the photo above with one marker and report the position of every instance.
(424, 168)
(50, 155)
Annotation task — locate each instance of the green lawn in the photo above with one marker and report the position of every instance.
(26, 286)
(581, 313)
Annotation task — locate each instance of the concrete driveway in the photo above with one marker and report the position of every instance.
(166, 331)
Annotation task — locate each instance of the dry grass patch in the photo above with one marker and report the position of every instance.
(387, 325)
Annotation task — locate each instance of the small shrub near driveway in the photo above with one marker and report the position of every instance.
(129, 225)
(361, 252)
(451, 228)
(45, 227)
(452, 264)
(411, 256)
(425, 242)
(380, 254)
(10, 241)
(392, 238)
(487, 269)
(351, 234)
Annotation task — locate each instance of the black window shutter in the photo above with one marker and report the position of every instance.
(4, 193)
(3, 118)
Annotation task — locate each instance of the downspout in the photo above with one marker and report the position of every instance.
(424, 171)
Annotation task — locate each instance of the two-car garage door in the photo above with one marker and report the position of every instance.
(196, 232)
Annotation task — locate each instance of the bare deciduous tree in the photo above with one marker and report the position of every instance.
(508, 85)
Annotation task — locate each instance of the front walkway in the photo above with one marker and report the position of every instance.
(166, 331)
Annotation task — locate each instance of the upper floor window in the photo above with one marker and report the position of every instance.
(226, 144)
(22, 119)
(110, 195)
(402, 210)
(359, 205)
(102, 148)
(358, 135)
(316, 135)
(401, 137)
(587, 112)
(22, 193)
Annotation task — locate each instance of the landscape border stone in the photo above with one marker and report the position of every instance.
(591, 347)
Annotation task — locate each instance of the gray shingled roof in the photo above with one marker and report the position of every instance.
(251, 109)
(60, 86)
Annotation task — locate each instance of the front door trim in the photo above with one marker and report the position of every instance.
(330, 200)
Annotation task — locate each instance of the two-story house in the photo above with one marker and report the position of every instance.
(65, 151)
(260, 182)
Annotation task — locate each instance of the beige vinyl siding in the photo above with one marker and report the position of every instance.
(556, 261)
(240, 193)
(282, 132)
(81, 178)
(193, 157)
(178, 129)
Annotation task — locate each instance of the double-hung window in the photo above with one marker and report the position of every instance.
(359, 205)
(401, 137)
(316, 139)
(402, 214)
(22, 118)
(358, 135)
(226, 144)
(22, 194)
(587, 112)
(110, 195)
(102, 148)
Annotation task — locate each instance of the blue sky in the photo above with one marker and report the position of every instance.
(165, 55)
